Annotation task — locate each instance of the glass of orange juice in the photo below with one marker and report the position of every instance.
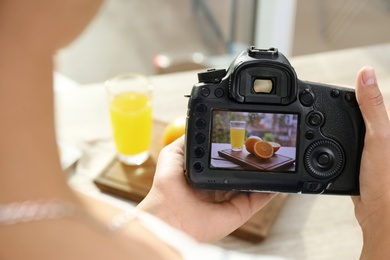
(237, 134)
(130, 104)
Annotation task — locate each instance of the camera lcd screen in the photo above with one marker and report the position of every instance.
(252, 141)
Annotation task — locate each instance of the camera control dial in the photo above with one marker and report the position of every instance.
(324, 159)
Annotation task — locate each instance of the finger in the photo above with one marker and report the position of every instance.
(256, 201)
(171, 160)
(259, 199)
(176, 147)
(179, 143)
(356, 199)
(370, 100)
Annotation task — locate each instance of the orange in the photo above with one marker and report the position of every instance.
(175, 129)
(263, 150)
(276, 146)
(250, 143)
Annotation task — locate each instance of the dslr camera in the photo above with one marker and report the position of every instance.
(257, 127)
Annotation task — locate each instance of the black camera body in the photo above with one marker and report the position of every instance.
(316, 131)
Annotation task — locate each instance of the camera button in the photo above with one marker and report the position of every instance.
(312, 186)
(200, 138)
(200, 123)
(349, 97)
(205, 92)
(324, 159)
(306, 98)
(198, 152)
(315, 119)
(218, 92)
(198, 166)
(201, 109)
(309, 135)
(335, 93)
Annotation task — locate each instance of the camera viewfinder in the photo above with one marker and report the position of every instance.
(263, 86)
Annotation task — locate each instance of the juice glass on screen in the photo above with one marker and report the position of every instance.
(237, 134)
(130, 107)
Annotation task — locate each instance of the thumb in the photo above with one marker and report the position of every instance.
(370, 101)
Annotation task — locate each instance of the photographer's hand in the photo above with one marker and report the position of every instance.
(372, 207)
(203, 214)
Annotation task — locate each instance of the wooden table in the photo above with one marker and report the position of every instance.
(309, 227)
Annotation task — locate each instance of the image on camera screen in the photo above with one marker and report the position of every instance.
(253, 141)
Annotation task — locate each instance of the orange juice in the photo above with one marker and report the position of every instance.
(131, 117)
(237, 136)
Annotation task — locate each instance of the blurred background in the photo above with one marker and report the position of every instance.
(155, 37)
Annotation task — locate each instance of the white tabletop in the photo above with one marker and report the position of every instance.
(308, 227)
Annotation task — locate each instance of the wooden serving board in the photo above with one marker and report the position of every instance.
(134, 183)
(251, 162)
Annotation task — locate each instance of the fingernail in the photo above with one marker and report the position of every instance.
(369, 77)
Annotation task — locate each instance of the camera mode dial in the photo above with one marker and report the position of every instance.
(324, 159)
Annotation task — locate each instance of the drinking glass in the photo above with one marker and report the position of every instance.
(130, 105)
(237, 134)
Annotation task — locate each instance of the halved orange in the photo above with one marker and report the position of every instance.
(263, 150)
(276, 146)
(250, 143)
